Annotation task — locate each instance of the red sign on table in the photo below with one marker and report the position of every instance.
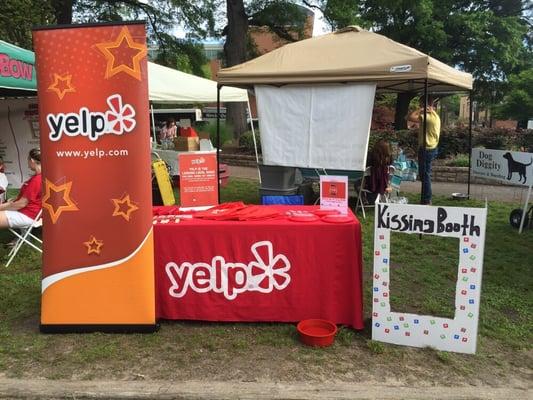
(198, 179)
(334, 192)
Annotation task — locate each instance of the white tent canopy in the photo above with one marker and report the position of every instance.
(167, 85)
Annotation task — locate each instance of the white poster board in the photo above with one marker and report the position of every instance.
(334, 193)
(19, 133)
(458, 334)
(324, 126)
(512, 167)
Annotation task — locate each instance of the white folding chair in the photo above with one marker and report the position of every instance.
(362, 193)
(26, 237)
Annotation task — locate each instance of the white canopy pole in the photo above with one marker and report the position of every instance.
(153, 122)
(255, 142)
(524, 212)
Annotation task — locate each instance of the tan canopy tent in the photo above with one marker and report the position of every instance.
(349, 55)
(352, 55)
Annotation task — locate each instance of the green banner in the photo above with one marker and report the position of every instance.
(17, 67)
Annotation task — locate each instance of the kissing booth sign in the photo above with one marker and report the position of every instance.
(457, 334)
(98, 245)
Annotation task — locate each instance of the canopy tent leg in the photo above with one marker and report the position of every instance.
(470, 115)
(153, 122)
(255, 141)
(218, 140)
(423, 148)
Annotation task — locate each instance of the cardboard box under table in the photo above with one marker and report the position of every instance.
(219, 270)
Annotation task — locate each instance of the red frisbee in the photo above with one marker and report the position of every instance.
(337, 219)
(317, 332)
(323, 212)
(303, 217)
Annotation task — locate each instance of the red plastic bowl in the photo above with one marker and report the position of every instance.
(317, 332)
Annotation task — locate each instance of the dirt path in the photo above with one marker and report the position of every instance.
(44, 389)
(512, 194)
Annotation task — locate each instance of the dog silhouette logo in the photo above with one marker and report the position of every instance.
(515, 166)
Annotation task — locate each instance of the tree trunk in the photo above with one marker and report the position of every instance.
(235, 53)
(236, 117)
(402, 108)
(63, 11)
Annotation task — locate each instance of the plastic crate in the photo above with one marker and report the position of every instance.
(263, 191)
(292, 200)
(277, 176)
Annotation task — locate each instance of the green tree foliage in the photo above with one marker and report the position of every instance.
(17, 17)
(162, 16)
(184, 55)
(518, 103)
(341, 13)
(489, 38)
(284, 18)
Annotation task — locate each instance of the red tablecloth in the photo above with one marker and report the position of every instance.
(271, 270)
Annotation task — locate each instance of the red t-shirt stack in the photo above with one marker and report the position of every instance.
(31, 190)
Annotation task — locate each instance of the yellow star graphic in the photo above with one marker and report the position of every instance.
(113, 67)
(119, 207)
(93, 245)
(49, 187)
(62, 85)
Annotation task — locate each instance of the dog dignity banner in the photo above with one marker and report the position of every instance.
(459, 333)
(507, 166)
(198, 179)
(97, 210)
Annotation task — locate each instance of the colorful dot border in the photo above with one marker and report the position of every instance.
(458, 334)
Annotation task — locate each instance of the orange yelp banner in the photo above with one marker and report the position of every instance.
(97, 214)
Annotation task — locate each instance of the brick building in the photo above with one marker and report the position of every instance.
(264, 41)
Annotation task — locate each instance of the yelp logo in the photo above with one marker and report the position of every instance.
(200, 160)
(266, 273)
(119, 119)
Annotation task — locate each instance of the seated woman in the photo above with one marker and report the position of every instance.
(21, 212)
(379, 161)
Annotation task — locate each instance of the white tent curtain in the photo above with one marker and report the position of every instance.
(319, 126)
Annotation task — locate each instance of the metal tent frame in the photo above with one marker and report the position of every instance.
(387, 89)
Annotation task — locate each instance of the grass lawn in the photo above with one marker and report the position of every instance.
(423, 281)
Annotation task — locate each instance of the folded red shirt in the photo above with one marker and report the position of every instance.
(237, 211)
(257, 213)
(221, 212)
(165, 210)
